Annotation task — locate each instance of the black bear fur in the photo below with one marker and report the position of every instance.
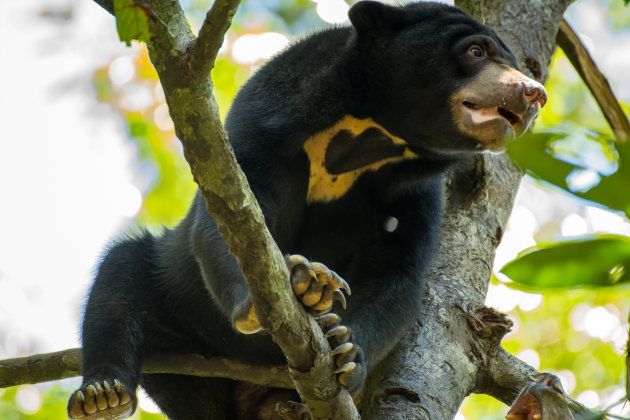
(397, 67)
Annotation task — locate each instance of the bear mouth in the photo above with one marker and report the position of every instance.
(481, 114)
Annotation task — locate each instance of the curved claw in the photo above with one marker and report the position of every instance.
(80, 396)
(75, 408)
(125, 397)
(89, 405)
(328, 320)
(112, 397)
(341, 283)
(339, 297)
(339, 331)
(101, 398)
(319, 268)
(346, 368)
(343, 348)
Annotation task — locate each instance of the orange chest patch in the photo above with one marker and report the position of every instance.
(340, 154)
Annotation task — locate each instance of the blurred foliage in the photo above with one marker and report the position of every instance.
(559, 330)
(595, 261)
(45, 402)
(585, 164)
(54, 399)
(619, 14)
(150, 128)
(572, 150)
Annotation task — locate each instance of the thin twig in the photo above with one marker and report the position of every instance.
(67, 363)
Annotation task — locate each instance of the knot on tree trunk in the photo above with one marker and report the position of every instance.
(488, 323)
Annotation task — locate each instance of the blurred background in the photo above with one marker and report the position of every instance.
(88, 152)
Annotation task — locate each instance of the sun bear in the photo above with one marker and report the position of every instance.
(345, 138)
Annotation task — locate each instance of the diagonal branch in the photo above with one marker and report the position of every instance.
(210, 36)
(230, 201)
(67, 363)
(596, 82)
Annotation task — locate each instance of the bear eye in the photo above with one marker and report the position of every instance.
(476, 51)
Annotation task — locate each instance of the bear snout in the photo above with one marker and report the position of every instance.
(497, 104)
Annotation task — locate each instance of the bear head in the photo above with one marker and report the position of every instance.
(439, 79)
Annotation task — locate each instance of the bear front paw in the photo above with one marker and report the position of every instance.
(348, 356)
(316, 286)
(106, 399)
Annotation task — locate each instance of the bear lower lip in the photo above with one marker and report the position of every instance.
(509, 115)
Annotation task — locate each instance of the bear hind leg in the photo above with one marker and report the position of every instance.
(183, 397)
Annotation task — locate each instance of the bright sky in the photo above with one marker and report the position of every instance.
(64, 162)
(66, 170)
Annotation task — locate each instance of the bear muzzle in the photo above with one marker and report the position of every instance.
(498, 104)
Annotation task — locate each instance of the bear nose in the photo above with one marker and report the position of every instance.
(534, 92)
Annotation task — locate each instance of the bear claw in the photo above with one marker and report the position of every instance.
(339, 331)
(342, 348)
(348, 367)
(347, 356)
(316, 286)
(108, 399)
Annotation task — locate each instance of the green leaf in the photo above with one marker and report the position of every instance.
(595, 261)
(543, 156)
(131, 21)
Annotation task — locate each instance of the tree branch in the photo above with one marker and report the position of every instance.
(596, 82)
(450, 354)
(67, 363)
(210, 36)
(230, 201)
(508, 376)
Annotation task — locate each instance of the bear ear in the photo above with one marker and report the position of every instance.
(372, 18)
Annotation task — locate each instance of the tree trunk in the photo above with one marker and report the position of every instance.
(456, 348)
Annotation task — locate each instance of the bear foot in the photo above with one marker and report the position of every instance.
(315, 286)
(106, 400)
(544, 395)
(348, 356)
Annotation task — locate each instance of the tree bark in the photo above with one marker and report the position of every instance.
(67, 363)
(455, 350)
